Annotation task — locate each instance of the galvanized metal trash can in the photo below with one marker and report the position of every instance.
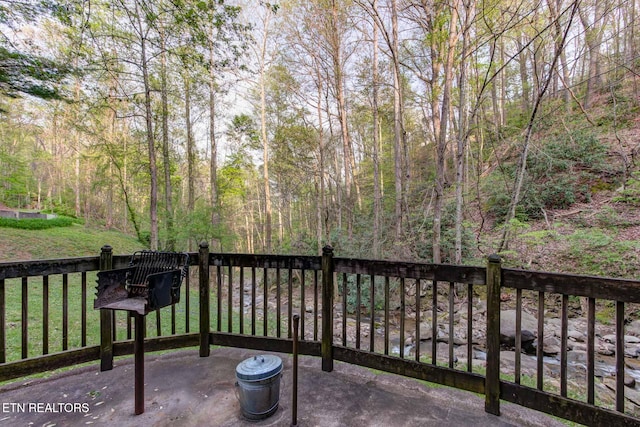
(258, 386)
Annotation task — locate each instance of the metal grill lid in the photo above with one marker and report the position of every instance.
(259, 367)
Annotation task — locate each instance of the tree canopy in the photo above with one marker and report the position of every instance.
(390, 128)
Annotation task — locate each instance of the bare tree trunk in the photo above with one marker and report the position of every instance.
(398, 128)
(265, 142)
(441, 149)
(76, 136)
(497, 112)
(524, 75)
(594, 32)
(168, 192)
(515, 198)
(377, 197)
(191, 156)
(322, 200)
(350, 184)
(153, 169)
(554, 6)
(213, 163)
(463, 130)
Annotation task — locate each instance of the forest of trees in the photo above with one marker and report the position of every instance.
(387, 128)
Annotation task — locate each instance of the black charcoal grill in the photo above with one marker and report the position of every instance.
(151, 281)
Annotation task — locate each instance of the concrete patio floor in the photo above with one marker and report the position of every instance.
(183, 389)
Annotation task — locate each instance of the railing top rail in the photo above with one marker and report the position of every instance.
(624, 290)
(296, 262)
(412, 270)
(10, 270)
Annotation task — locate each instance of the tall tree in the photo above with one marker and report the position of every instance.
(468, 8)
(377, 194)
(443, 136)
(262, 64)
(593, 16)
(522, 165)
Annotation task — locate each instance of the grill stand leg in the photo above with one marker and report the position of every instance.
(138, 349)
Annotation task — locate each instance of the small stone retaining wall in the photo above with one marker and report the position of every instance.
(25, 215)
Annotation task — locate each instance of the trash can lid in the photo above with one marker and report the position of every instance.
(259, 367)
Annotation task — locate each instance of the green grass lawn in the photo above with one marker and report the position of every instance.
(61, 242)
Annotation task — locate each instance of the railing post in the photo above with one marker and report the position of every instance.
(492, 379)
(204, 293)
(327, 309)
(106, 317)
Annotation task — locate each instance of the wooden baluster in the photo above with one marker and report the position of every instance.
(83, 314)
(434, 322)
(289, 299)
(563, 344)
(65, 312)
(591, 362)
(265, 301)
(372, 311)
(3, 323)
(25, 318)
(469, 327)
(518, 361)
(45, 314)
(219, 298)
(253, 300)
(315, 305)
(344, 309)
(540, 349)
(402, 316)
(187, 303)
(418, 320)
(451, 312)
(386, 315)
(241, 296)
(358, 304)
(619, 356)
(278, 305)
(303, 303)
(230, 300)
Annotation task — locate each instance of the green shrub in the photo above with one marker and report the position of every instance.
(560, 193)
(631, 192)
(365, 292)
(36, 224)
(559, 173)
(597, 252)
(424, 240)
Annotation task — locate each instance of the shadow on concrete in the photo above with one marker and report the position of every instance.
(183, 389)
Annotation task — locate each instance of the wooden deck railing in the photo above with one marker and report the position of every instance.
(352, 310)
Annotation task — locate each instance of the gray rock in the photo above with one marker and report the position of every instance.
(528, 364)
(578, 346)
(633, 328)
(631, 351)
(508, 322)
(629, 381)
(632, 364)
(630, 339)
(551, 350)
(508, 328)
(577, 356)
(551, 341)
(606, 349)
(576, 335)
